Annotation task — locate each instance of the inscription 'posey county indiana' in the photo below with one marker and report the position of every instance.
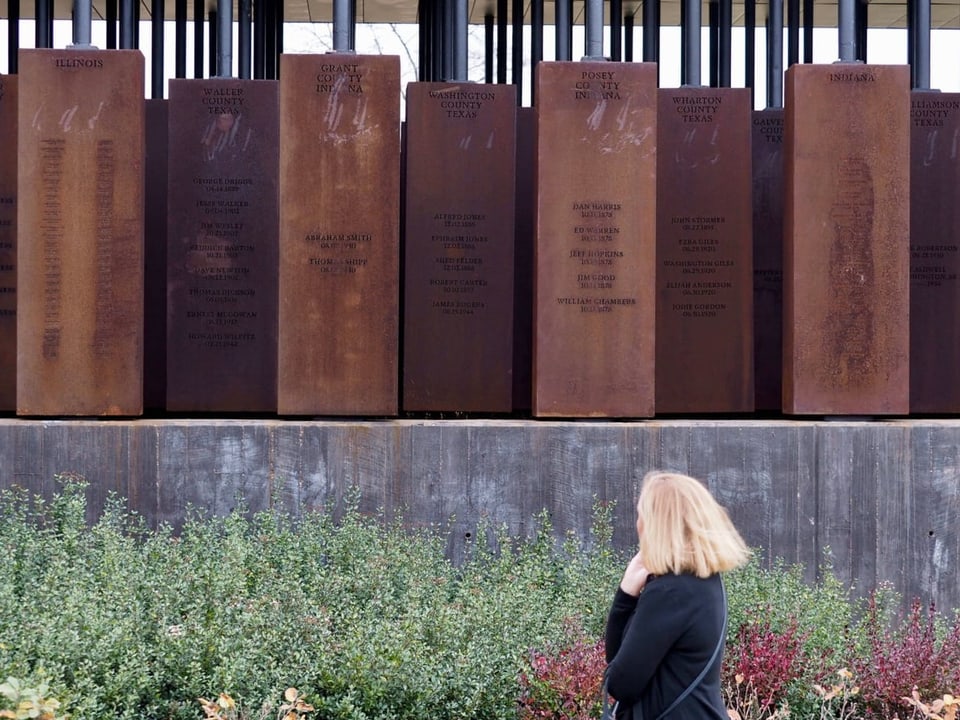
(597, 85)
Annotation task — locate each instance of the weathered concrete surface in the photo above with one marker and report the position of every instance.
(882, 498)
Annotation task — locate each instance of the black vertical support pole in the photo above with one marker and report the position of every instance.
(725, 44)
(13, 35)
(862, 8)
(536, 44)
(111, 21)
(213, 66)
(692, 29)
(136, 24)
(244, 28)
(518, 49)
(502, 41)
(616, 30)
(437, 33)
(683, 41)
(156, 48)
(353, 24)
(912, 41)
(922, 45)
(126, 24)
(793, 32)
(564, 26)
(489, 47)
(808, 31)
(279, 46)
(775, 55)
(651, 30)
(259, 38)
(180, 39)
(269, 40)
(424, 21)
(713, 22)
(628, 23)
(197, 39)
(749, 45)
(42, 38)
(448, 60)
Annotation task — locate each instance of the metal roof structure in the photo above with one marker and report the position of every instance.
(882, 13)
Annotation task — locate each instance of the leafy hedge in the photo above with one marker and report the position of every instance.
(369, 620)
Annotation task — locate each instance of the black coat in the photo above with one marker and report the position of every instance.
(657, 644)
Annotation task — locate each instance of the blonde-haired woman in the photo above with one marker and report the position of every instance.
(666, 627)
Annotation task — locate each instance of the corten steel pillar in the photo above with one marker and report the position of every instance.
(156, 49)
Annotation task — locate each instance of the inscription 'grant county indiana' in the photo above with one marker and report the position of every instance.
(337, 77)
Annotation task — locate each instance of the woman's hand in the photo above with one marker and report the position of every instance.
(635, 576)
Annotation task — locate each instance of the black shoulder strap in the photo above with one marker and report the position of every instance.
(713, 659)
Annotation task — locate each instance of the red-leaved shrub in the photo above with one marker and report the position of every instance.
(900, 659)
(564, 682)
(764, 661)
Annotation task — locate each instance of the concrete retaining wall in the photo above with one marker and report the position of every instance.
(884, 497)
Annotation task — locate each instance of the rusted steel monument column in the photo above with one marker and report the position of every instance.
(846, 247)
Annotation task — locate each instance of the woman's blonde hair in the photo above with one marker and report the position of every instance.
(684, 530)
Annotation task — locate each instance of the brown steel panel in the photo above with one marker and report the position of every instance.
(846, 240)
(934, 253)
(223, 246)
(459, 247)
(768, 258)
(594, 255)
(80, 260)
(523, 260)
(155, 258)
(8, 243)
(339, 234)
(704, 252)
